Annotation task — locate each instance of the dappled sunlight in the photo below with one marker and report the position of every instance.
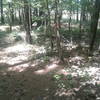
(93, 73)
(47, 69)
(40, 50)
(70, 45)
(18, 48)
(18, 68)
(15, 54)
(20, 52)
(15, 28)
(63, 72)
(18, 59)
(76, 58)
(47, 51)
(4, 28)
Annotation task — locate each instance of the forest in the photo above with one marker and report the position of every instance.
(49, 50)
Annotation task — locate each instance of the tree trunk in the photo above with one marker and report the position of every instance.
(69, 24)
(30, 16)
(58, 37)
(48, 25)
(94, 23)
(77, 18)
(10, 18)
(12, 14)
(20, 18)
(80, 25)
(27, 22)
(2, 17)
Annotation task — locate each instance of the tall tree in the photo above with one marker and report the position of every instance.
(58, 37)
(77, 3)
(94, 23)
(27, 22)
(2, 17)
(10, 16)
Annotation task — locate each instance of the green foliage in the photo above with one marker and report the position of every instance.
(40, 29)
(68, 81)
(64, 81)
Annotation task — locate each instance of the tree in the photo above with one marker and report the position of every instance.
(10, 16)
(58, 37)
(94, 23)
(27, 22)
(2, 17)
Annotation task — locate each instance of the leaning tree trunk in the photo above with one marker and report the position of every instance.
(94, 23)
(27, 22)
(2, 17)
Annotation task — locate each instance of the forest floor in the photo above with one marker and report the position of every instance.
(27, 72)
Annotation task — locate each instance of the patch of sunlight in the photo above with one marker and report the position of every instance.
(25, 48)
(92, 72)
(71, 45)
(75, 67)
(47, 69)
(18, 68)
(40, 50)
(77, 58)
(40, 72)
(19, 52)
(13, 60)
(15, 28)
(17, 59)
(34, 34)
(51, 67)
(4, 27)
(18, 48)
(63, 72)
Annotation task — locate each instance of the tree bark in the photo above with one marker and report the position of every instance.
(58, 37)
(2, 17)
(94, 24)
(77, 18)
(48, 26)
(30, 16)
(20, 18)
(27, 22)
(10, 17)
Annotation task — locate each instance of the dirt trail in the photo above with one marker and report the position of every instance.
(21, 77)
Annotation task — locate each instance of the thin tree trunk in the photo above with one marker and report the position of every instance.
(27, 22)
(69, 24)
(12, 14)
(30, 16)
(48, 26)
(77, 12)
(10, 19)
(58, 37)
(20, 18)
(80, 25)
